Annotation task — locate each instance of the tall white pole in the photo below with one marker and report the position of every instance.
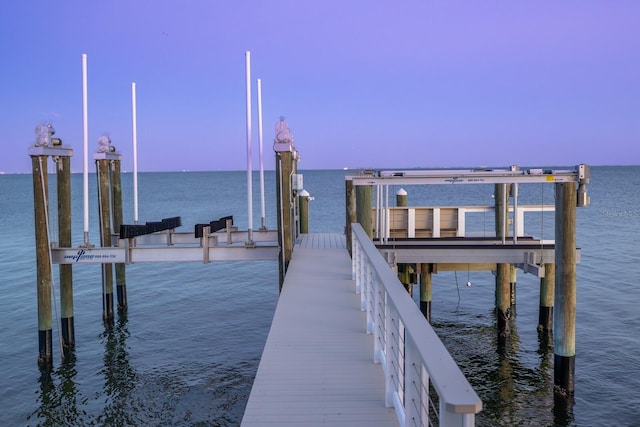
(262, 208)
(135, 152)
(85, 146)
(249, 166)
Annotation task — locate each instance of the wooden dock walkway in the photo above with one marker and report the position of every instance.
(317, 365)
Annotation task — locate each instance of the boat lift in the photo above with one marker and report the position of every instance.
(525, 252)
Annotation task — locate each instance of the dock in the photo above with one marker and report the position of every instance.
(348, 345)
(317, 365)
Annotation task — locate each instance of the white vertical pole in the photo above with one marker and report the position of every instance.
(135, 152)
(387, 214)
(85, 146)
(262, 208)
(516, 228)
(249, 155)
(505, 213)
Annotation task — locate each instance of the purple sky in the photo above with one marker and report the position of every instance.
(362, 83)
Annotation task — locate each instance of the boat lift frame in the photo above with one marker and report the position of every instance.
(527, 254)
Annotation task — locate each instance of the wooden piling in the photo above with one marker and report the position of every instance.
(425, 290)
(503, 271)
(364, 200)
(284, 169)
(513, 278)
(104, 212)
(500, 197)
(405, 277)
(564, 326)
(303, 212)
(350, 203)
(116, 197)
(503, 301)
(43, 262)
(545, 314)
(63, 175)
(401, 198)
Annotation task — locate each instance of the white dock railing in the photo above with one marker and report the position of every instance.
(413, 358)
(443, 221)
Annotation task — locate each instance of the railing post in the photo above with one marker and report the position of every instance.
(365, 285)
(365, 299)
(413, 383)
(389, 387)
(452, 419)
(424, 395)
(435, 227)
(355, 264)
(461, 230)
(378, 322)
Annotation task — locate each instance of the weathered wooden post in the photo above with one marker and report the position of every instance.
(405, 277)
(564, 317)
(285, 164)
(503, 301)
(503, 271)
(104, 213)
(63, 174)
(116, 197)
(513, 278)
(401, 198)
(545, 314)
(303, 211)
(350, 203)
(45, 146)
(43, 262)
(425, 290)
(364, 199)
(513, 272)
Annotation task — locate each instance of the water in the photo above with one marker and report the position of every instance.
(189, 347)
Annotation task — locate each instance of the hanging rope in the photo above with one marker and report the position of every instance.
(52, 285)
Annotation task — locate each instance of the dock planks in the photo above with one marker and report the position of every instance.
(317, 365)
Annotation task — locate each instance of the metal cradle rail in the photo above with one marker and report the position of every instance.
(413, 358)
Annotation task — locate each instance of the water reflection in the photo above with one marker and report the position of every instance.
(119, 376)
(563, 410)
(60, 402)
(514, 381)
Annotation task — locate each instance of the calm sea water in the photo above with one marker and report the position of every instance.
(188, 349)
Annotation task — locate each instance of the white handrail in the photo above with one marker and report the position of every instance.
(386, 216)
(411, 354)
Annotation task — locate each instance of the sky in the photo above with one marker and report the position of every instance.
(361, 83)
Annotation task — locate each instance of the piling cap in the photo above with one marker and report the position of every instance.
(304, 193)
(401, 192)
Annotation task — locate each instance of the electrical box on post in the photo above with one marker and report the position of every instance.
(297, 183)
